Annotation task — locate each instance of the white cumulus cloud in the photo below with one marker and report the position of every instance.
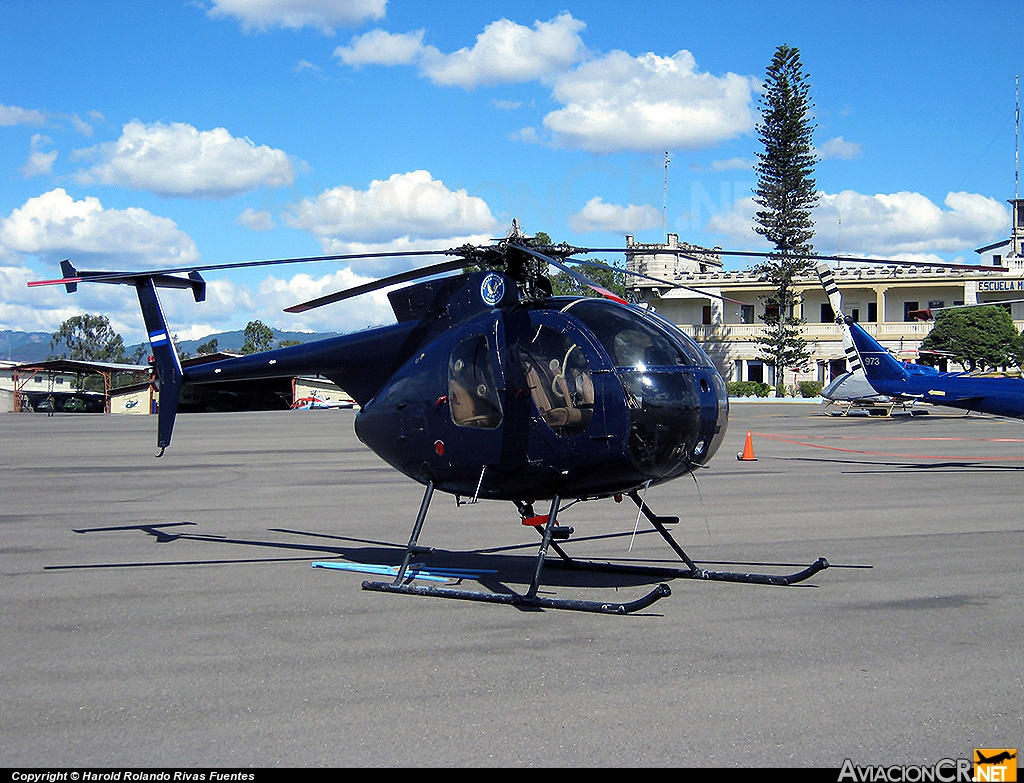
(884, 224)
(325, 15)
(38, 162)
(55, 224)
(909, 222)
(527, 135)
(504, 53)
(379, 47)
(32, 309)
(648, 103)
(179, 160)
(839, 148)
(403, 208)
(275, 294)
(737, 223)
(612, 103)
(256, 220)
(507, 52)
(598, 216)
(15, 115)
(727, 164)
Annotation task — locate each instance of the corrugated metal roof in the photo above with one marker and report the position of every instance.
(72, 365)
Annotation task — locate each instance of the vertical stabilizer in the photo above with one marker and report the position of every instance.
(168, 367)
(880, 367)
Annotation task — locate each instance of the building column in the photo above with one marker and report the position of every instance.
(880, 301)
(16, 407)
(717, 306)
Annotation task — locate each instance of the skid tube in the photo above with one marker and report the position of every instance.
(691, 571)
(528, 601)
(524, 601)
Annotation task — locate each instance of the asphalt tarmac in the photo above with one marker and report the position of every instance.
(164, 612)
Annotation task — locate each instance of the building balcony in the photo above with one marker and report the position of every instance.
(896, 330)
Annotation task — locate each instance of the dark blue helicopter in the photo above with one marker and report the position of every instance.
(490, 387)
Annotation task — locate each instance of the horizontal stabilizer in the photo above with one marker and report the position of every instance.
(852, 387)
(72, 277)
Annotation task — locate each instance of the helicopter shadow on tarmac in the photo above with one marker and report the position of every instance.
(495, 568)
(870, 466)
(513, 568)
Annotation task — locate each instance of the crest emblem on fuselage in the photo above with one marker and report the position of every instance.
(492, 289)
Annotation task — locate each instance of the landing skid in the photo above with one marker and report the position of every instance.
(531, 600)
(524, 601)
(691, 571)
(528, 601)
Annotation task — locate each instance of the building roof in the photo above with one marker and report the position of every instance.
(859, 272)
(206, 358)
(993, 246)
(72, 365)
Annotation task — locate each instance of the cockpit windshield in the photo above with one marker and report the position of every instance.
(634, 339)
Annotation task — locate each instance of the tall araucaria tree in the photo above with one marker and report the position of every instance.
(786, 194)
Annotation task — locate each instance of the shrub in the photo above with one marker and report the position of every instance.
(810, 388)
(747, 389)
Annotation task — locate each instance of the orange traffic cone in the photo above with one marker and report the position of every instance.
(748, 450)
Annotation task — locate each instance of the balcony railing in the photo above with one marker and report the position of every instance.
(912, 330)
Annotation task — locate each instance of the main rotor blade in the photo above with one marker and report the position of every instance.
(597, 265)
(385, 282)
(697, 254)
(110, 276)
(702, 292)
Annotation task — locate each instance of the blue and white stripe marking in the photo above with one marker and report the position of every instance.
(415, 571)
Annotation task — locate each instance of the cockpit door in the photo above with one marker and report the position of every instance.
(566, 376)
(476, 391)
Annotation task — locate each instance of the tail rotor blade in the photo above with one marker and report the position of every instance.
(835, 299)
(828, 282)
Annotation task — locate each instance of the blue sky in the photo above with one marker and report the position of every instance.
(139, 135)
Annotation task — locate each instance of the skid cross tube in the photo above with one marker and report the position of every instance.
(528, 601)
(691, 571)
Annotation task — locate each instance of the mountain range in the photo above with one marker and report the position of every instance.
(18, 346)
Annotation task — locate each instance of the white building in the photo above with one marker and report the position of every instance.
(879, 297)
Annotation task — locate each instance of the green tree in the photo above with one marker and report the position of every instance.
(614, 279)
(87, 338)
(975, 337)
(182, 354)
(210, 346)
(258, 337)
(786, 193)
(138, 356)
(562, 284)
(288, 343)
